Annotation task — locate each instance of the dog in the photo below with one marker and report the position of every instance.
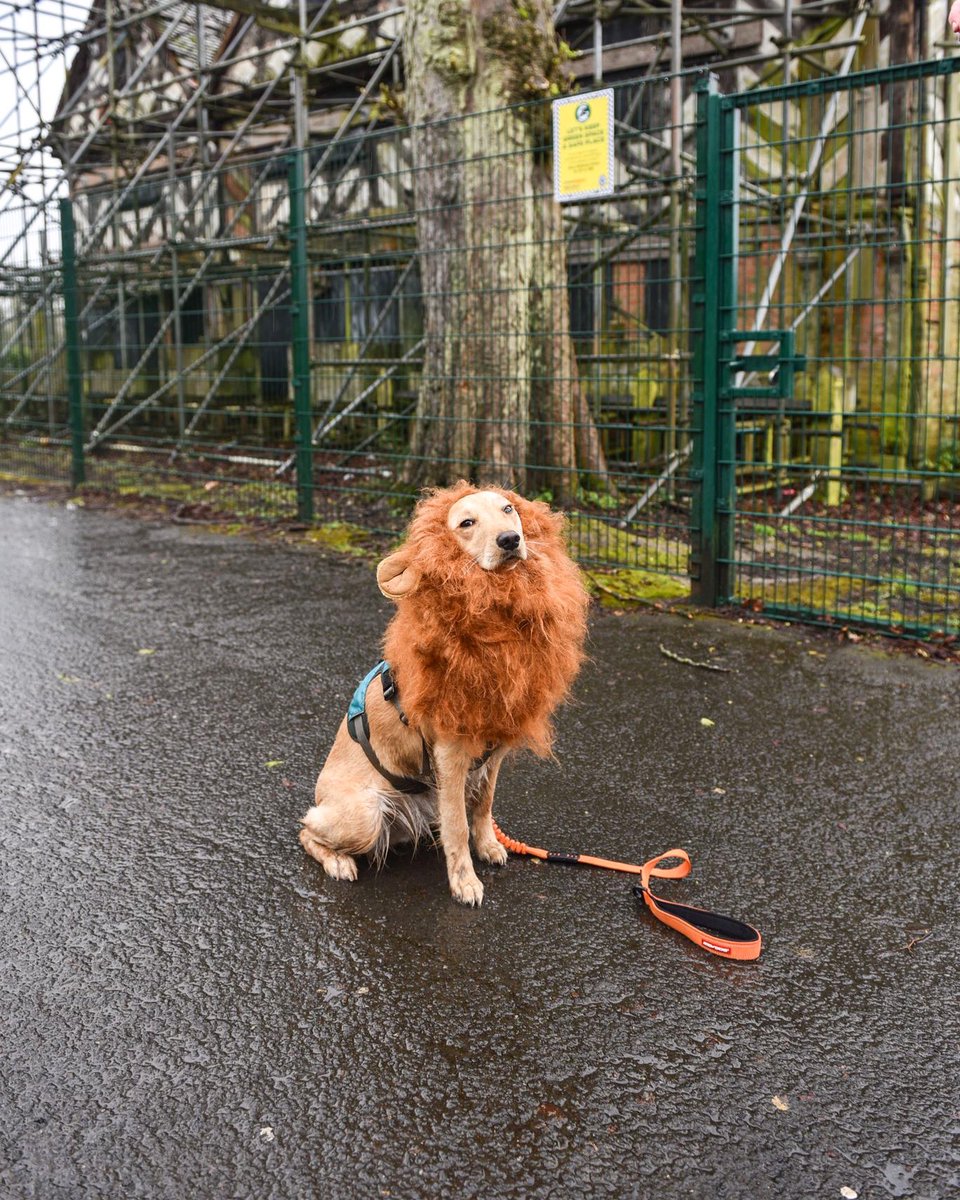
(486, 642)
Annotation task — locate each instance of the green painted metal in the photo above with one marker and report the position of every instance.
(72, 337)
(785, 364)
(838, 492)
(705, 346)
(300, 316)
(726, 183)
(712, 313)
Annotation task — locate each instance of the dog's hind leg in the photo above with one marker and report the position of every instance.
(340, 826)
(485, 841)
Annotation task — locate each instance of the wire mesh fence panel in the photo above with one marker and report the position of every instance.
(841, 347)
(741, 366)
(465, 325)
(34, 411)
(453, 319)
(184, 306)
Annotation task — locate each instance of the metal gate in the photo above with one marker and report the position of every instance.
(826, 319)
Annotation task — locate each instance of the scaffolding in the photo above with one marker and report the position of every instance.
(163, 98)
(150, 82)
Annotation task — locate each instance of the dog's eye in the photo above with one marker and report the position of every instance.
(467, 523)
(508, 508)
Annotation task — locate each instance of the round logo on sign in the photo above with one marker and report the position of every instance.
(583, 112)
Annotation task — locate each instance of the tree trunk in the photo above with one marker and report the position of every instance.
(500, 386)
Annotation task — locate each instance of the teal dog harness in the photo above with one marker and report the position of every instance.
(358, 726)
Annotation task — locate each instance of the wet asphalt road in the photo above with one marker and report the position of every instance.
(189, 1008)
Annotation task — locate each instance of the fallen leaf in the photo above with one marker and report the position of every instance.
(146, 650)
(707, 722)
(273, 762)
(553, 1111)
(780, 1104)
(68, 678)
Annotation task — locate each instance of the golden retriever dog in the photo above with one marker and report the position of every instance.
(485, 643)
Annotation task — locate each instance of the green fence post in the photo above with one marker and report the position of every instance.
(727, 271)
(712, 315)
(705, 347)
(300, 316)
(72, 338)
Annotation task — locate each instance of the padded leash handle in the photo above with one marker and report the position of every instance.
(720, 935)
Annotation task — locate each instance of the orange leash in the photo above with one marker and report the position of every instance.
(720, 935)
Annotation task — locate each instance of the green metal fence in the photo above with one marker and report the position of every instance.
(831, 365)
(740, 369)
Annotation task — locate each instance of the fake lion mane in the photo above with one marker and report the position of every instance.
(487, 656)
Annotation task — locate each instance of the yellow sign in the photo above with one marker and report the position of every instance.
(583, 145)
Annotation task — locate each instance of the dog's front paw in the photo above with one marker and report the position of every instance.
(466, 887)
(491, 851)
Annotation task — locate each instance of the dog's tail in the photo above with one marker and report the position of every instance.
(406, 818)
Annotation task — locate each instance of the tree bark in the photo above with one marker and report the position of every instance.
(500, 385)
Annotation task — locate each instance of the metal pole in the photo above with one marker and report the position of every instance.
(705, 339)
(676, 207)
(72, 332)
(780, 419)
(599, 267)
(300, 316)
(726, 266)
(175, 285)
(918, 430)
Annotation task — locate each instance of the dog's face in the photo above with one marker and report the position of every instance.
(487, 526)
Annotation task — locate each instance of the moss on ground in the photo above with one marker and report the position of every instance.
(341, 537)
(625, 587)
(591, 540)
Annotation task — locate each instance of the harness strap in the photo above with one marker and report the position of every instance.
(359, 729)
(718, 934)
(358, 726)
(392, 693)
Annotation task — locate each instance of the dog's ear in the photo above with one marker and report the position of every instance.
(397, 576)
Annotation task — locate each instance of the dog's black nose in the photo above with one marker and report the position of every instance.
(508, 542)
